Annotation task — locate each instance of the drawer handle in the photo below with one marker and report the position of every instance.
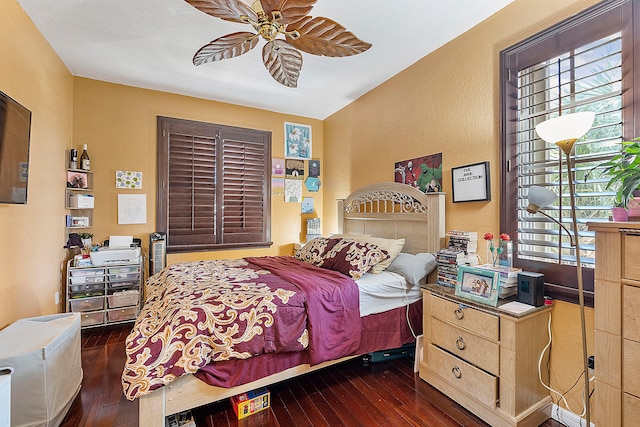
(458, 313)
(456, 372)
(460, 344)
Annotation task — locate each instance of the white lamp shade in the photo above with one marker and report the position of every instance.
(565, 127)
(541, 196)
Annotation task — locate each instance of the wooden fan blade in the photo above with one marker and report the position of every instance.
(229, 10)
(292, 10)
(322, 36)
(226, 47)
(283, 62)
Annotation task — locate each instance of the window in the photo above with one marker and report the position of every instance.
(214, 190)
(585, 63)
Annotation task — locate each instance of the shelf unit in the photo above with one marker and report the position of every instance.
(104, 295)
(79, 200)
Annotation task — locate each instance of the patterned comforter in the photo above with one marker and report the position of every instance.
(209, 311)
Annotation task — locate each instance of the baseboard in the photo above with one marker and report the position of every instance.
(567, 418)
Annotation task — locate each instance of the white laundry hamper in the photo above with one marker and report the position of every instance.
(44, 354)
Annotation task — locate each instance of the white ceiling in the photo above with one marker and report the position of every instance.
(150, 44)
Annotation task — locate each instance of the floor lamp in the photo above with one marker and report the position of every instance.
(564, 131)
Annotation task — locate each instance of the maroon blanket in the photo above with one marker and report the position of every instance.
(206, 311)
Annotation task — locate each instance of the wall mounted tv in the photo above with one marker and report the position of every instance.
(15, 131)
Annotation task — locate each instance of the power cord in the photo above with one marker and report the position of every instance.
(560, 394)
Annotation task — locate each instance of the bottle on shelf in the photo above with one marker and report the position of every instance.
(73, 161)
(85, 163)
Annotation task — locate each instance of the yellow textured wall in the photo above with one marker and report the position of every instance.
(31, 235)
(448, 103)
(118, 123)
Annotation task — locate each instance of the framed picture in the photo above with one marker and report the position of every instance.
(77, 180)
(477, 284)
(471, 183)
(297, 141)
(423, 173)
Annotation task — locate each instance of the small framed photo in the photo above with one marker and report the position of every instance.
(77, 180)
(471, 183)
(477, 284)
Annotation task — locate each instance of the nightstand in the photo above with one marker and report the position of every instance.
(486, 358)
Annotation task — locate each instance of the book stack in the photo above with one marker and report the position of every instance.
(461, 250)
(465, 240)
(508, 279)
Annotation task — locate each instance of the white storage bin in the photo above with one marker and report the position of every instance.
(81, 201)
(87, 272)
(87, 304)
(92, 319)
(123, 299)
(122, 314)
(44, 353)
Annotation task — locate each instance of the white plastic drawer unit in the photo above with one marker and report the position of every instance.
(123, 298)
(92, 319)
(120, 315)
(87, 304)
(127, 273)
(87, 276)
(87, 288)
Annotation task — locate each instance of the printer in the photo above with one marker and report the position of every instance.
(107, 255)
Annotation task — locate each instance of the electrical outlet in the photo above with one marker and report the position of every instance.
(592, 362)
(56, 297)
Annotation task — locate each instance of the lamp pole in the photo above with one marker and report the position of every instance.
(566, 146)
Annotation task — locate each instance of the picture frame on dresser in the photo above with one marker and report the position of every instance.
(477, 284)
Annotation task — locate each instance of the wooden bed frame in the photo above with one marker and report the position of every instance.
(389, 210)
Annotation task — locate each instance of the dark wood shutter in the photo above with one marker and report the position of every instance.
(585, 63)
(213, 185)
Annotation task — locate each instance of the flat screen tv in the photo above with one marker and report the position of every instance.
(15, 131)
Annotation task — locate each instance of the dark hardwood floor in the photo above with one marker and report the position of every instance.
(349, 394)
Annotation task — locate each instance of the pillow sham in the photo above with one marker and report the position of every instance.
(313, 251)
(413, 268)
(392, 246)
(351, 257)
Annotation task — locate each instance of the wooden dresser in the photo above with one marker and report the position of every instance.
(617, 324)
(485, 358)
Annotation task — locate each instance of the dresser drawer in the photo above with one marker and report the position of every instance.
(630, 367)
(630, 312)
(631, 412)
(631, 266)
(484, 324)
(482, 386)
(479, 351)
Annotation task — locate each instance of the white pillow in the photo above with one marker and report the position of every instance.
(413, 268)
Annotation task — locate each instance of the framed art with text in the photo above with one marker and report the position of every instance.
(471, 183)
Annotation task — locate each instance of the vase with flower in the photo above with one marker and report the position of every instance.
(500, 253)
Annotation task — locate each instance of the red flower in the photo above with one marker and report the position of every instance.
(488, 236)
(504, 236)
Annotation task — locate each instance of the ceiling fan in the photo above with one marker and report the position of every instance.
(271, 19)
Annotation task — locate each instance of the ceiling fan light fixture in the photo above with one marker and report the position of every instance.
(317, 36)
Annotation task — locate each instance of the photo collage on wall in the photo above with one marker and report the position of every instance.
(423, 173)
(288, 174)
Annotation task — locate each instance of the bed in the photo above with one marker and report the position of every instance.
(382, 210)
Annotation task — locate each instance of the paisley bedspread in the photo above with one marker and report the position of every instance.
(207, 311)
